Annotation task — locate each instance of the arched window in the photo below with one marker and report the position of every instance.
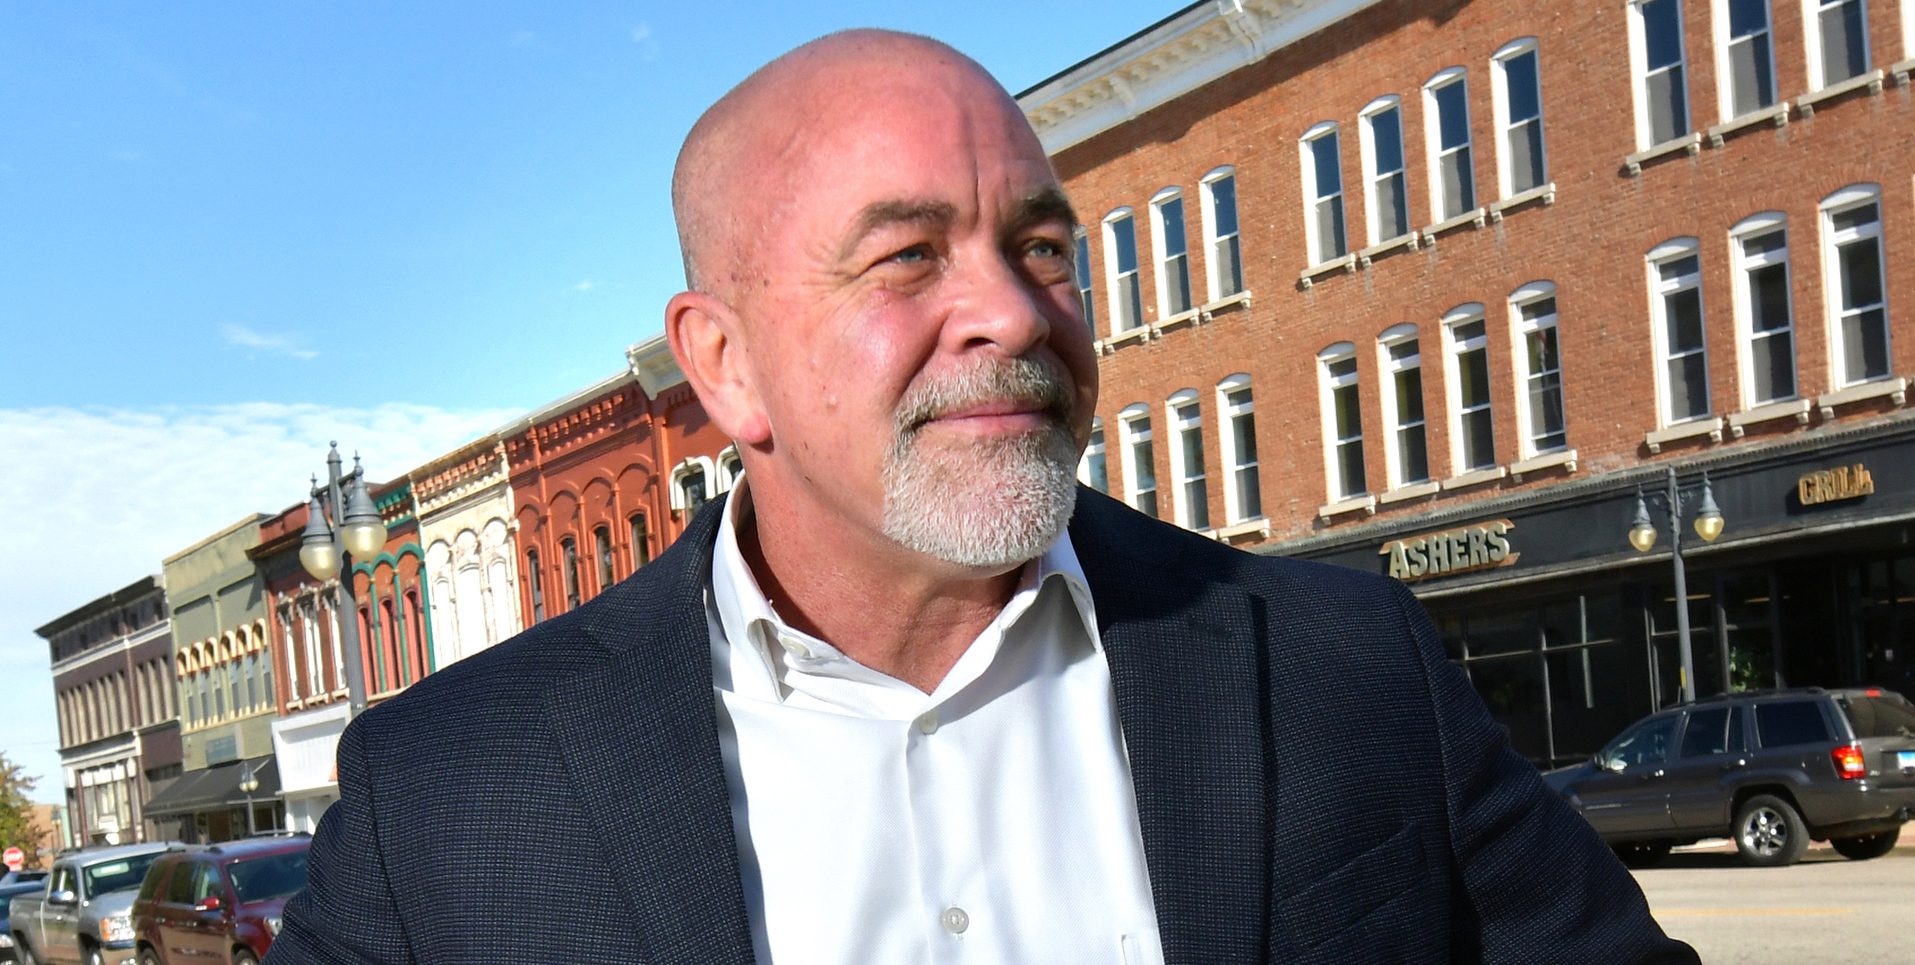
(1452, 164)
(1173, 252)
(1342, 421)
(1120, 271)
(1539, 403)
(1405, 443)
(568, 551)
(641, 540)
(1386, 183)
(534, 586)
(602, 544)
(1764, 313)
(1675, 279)
(1184, 416)
(415, 637)
(1139, 458)
(1222, 246)
(1853, 261)
(1472, 428)
(1092, 469)
(1321, 152)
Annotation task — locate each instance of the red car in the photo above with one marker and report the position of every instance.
(217, 903)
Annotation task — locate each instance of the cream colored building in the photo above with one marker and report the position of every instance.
(465, 524)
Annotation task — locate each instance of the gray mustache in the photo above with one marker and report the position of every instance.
(1023, 382)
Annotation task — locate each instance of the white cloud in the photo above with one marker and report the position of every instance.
(584, 286)
(243, 337)
(99, 496)
(642, 36)
(523, 38)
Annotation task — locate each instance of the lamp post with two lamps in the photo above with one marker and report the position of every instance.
(1642, 535)
(248, 783)
(329, 545)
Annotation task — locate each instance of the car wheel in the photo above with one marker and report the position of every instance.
(1769, 833)
(25, 952)
(93, 957)
(1868, 845)
(1643, 854)
(243, 957)
(149, 957)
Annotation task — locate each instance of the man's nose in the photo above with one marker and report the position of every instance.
(997, 304)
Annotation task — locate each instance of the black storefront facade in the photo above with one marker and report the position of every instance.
(1569, 633)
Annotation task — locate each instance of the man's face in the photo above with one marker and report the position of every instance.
(917, 340)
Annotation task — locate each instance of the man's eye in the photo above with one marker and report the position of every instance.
(1048, 249)
(914, 255)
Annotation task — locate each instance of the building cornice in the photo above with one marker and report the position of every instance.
(115, 648)
(133, 592)
(651, 362)
(1169, 59)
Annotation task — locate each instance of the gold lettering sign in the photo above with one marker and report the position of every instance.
(1479, 546)
(1834, 485)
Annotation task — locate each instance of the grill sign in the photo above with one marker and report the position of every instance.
(1834, 485)
(1481, 546)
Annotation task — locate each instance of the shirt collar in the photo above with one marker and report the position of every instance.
(753, 658)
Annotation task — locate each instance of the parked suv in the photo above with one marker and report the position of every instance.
(1769, 769)
(80, 912)
(218, 903)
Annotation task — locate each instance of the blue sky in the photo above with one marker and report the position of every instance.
(233, 231)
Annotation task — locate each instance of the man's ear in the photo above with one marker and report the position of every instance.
(707, 339)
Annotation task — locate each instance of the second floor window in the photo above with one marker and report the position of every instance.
(535, 585)
(641, 540)
(1389, 191)
(1764, 317)
(1095, 471)
(1243, 489)
(1677, 273)
(1541, 397)
(1403, 407)
(602, 543)
(1837, 39)
(1747, 63)
(1187, 460)
(1858, 306)
(1323, 195)
(1173, 257)
(1475, 442)
(1140, 460)
(1084, 296)
(1662, 91)
(1343, 420)
(1120, 258)
(1224, 252)
(1452, 172)
(568, 548)
(1519, 104)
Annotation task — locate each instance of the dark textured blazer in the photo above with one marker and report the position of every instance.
(1315, 782)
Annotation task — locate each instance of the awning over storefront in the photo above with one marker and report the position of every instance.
(216, 788)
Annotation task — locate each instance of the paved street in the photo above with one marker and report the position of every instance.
(1826, 909)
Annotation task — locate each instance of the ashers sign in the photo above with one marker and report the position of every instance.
(1834, 485)
(1465, 549)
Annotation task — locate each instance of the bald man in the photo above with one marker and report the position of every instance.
(912, 695)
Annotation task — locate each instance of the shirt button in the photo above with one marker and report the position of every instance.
(928, 723)
(955, 920)
(795, 647)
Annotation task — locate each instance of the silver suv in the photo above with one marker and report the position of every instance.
(1770, 769)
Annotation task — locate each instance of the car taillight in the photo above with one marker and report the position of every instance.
(1848, 761)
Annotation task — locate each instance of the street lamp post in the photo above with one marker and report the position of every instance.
(328, 547)
(1642, 535)
(248, 783)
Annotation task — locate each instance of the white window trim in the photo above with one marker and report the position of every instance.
(1098, 443)
(1314, 245)
(1852, 196)
(683, 472)
(1173, 409)
(1160, 255)
(1387, 369)
(1908, 31)
(1127, 440)
(1812, 44)
(1520, 329)
(726, 479)
(1741, 263)
(1372, 200)
(1113, 276)
(1326, 406)
(1500, 99)
(1639, 77)
(1433, 142)
(1081, 275)
(1227, 453)
(1668, 251)
(1453, 347)
(1725, 87)
(1213, 277)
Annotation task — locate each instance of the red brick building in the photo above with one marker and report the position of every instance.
(605, 479)
(1434, 289)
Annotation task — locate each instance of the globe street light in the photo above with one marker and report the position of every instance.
(247, 785)
(328, 547)
(1642, 536)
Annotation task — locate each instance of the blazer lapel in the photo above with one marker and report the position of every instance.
(1184, 662)
(639, 735)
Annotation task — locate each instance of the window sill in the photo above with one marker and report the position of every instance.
(1896, 390)
(1405, 242)
(1566, 458)
(1776, 113)
(1140, 333)
(1259, 527)
(1657, 438)
(1474, 218)
(1871, 80)
(1308, 277)
(1406, 493)
(1366, 504)
(1545, 193)
(1477, 478)
(1209, 310)
(1690, 144)
(1189, 316)
(1797, 409)
(1902, 70)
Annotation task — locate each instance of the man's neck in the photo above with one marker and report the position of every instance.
(877, 605)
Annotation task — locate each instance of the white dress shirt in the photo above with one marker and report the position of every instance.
(989, 821)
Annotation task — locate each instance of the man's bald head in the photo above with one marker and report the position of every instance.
(732, 174)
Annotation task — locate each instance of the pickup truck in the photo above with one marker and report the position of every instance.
(82, 914)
